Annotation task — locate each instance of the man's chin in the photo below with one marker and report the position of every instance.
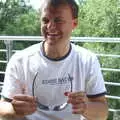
(50, 42)
(53, 41)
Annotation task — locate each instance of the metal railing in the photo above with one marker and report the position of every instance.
(8, 50)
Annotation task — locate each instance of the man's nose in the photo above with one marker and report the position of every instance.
(51, 25)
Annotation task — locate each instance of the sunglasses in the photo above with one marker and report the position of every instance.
(54, 107)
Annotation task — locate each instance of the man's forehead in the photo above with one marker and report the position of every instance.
(54, 3)
(55, 10)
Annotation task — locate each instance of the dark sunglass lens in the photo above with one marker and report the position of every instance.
(61, 107)
(57, 108)
(43, 107)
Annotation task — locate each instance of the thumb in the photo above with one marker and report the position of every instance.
(67, 93)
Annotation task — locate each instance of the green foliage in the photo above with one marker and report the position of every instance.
(25, 24)
(9, 10)
(18, 19)
(98, 18)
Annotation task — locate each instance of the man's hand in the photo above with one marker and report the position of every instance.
(24, 105)
(78, 101)
(88, 107)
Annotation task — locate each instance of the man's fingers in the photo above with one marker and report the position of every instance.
(24, 98)
(79, 108)
(76, 94)
(77, 97)
(76, 100)
(24, 111)
(23, 103)
(23, 108)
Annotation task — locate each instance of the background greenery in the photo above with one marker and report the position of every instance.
(97, 18)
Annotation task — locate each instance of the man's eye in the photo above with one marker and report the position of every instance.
(58, 20)
(45, 21)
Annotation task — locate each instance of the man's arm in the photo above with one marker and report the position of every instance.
(20, 106)
(6, 110)
(97, 108)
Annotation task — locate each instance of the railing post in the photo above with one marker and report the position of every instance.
(116, 115)
(9, 47)
(118, 13)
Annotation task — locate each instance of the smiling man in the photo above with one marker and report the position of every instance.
(55, 79)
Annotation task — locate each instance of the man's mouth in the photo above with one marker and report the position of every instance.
(52, 34)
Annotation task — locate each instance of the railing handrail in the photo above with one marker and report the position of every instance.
(108, 55)
(76, 39)
(112, 83)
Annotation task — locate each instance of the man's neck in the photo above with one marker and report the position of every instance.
(56, 51)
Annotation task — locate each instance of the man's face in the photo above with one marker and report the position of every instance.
(57, 24)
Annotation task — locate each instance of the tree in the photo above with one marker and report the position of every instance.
(9, 10)
(98, 18)
(26, 24)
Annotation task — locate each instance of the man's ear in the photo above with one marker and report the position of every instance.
(75, 23)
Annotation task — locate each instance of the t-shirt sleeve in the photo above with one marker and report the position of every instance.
(12, 81)
(95, 82)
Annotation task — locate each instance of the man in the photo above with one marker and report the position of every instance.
(55, 79)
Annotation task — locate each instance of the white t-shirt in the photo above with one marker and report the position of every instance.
(79, 65)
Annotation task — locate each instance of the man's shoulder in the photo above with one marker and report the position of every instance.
(82, 51)
(26, 53)
(31, 49)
